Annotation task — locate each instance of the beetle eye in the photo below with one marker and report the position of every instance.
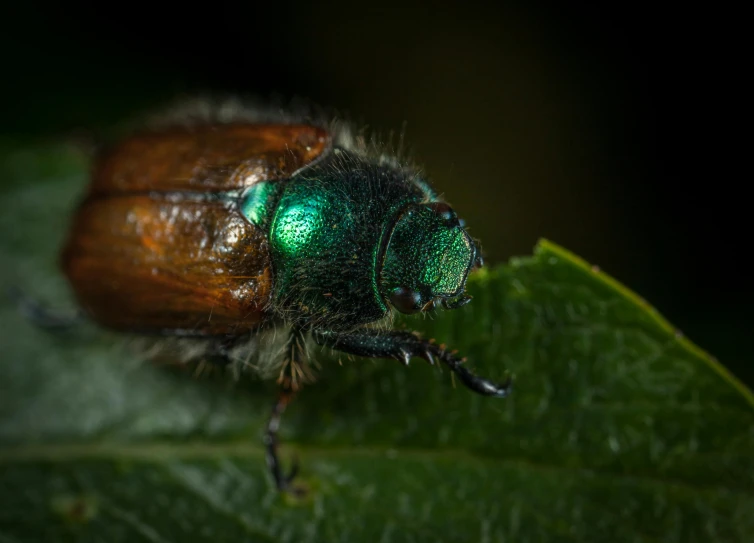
(405, 300)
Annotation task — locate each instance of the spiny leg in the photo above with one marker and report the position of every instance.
(271, 443)
(296, 370)
(294, 373)
(402, 346)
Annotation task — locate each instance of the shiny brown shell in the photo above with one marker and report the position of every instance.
(159, 246)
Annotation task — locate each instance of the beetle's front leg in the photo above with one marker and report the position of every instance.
(402, 346)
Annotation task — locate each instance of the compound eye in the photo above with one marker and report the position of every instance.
(405, 300)
(446, 212)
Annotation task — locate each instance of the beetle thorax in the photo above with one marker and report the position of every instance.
(326, 235)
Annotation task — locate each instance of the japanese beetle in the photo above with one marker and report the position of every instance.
(218, 228)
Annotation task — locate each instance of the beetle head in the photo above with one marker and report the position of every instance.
(428, 256)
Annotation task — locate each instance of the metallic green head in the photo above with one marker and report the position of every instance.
(427, 258)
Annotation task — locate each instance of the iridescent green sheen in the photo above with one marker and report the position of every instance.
(345, 232)
(427, 254)
(326, 239)
(256, 201)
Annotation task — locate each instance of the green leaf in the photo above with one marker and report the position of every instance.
(618, 428)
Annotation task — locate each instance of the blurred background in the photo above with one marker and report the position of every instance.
(612, 132)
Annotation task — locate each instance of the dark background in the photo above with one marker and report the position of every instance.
(617, 132)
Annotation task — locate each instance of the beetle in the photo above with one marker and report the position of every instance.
(218, 228)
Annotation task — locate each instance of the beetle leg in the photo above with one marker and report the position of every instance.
(283, 482)
(296, 370)
(402, 346)
(295, 358)
(41, 315)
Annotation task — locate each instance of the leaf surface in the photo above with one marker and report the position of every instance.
(618, 428)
